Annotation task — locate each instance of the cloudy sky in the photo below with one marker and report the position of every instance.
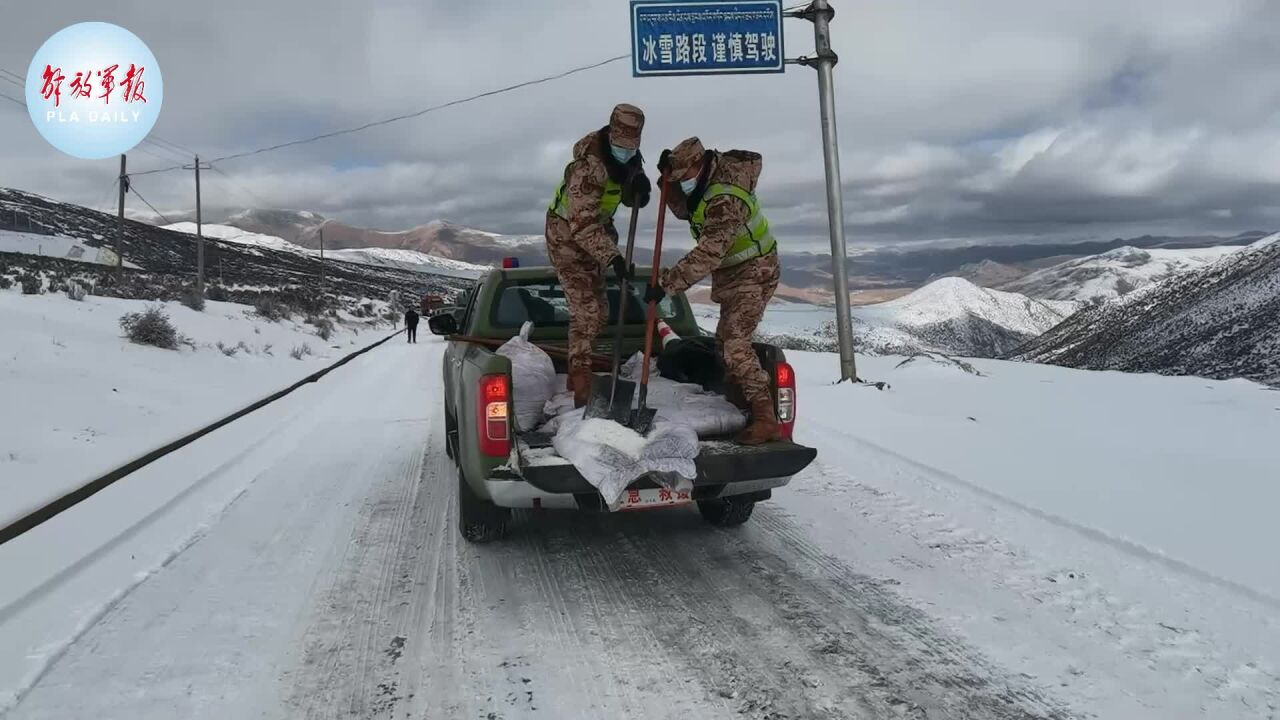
(992, 119)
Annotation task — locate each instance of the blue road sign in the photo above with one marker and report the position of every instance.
(706, 38)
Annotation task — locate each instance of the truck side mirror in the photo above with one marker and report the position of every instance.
(443, 324)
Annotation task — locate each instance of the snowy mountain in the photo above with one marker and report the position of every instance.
(950, 315)
(236, 235)
(410, 260)
(286, 224)
(954, 316)
(1113, 273)
(1221, 321)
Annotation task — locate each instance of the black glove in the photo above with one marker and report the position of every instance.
(636, 192)
(641, 189)
(620, 269)
(654, 293)
(664, 162)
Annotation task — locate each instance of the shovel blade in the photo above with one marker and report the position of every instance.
(642, 420)
(610, 398)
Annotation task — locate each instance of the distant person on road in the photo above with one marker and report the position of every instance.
(411, 324)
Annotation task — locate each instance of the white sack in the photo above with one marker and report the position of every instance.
(611, 456)
(533, 378)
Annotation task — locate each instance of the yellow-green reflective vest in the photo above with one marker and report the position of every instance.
(754, 240)
(608, 201)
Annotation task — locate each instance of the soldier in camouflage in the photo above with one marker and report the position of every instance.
(581, 238)
(714, 191)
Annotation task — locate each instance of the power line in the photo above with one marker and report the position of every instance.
(134, 190)
(13, 99)
(253, 199)
(406, 116)
(107, 200)
(141, 149)
(185, 150)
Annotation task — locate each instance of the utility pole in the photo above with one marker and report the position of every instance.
(321, 259)
(820, 13)
(124, 188)
(199, 227)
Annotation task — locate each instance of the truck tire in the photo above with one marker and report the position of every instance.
(726, 512)
(479, 520)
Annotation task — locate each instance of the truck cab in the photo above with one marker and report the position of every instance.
(500, 469)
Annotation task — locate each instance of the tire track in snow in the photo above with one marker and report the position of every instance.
(367, 606)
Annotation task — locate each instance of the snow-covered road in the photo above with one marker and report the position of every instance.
(336, 586)
(305, 562)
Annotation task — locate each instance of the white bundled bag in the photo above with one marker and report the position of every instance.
(533, 378)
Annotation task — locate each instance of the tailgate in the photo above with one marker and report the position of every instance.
(718, 462)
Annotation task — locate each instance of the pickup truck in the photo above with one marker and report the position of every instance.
(500, 469)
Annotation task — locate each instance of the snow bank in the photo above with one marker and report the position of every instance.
(81, 400)
(56, 246)
(1182, 468)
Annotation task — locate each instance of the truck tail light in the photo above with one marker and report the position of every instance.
(785, 376)
(494, 404)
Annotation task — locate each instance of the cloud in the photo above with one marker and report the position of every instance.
(1036, 120)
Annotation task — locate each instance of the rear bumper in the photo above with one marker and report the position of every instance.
(724, 469)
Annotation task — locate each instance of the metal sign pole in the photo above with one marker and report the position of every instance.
(820, 13)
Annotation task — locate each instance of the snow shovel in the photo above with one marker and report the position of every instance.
(642, 420)
(611, 395)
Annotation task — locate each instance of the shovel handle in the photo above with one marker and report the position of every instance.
(651, 317)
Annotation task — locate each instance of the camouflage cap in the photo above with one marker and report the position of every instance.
(685, 156)
(625, 123)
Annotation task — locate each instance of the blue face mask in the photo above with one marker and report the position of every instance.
(622, 155)
(688, 185)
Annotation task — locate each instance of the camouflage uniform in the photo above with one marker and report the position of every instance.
(742, 290)
(581, 237)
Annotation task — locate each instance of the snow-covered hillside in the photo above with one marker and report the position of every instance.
(410, 260)
(1113, 273)
(166, 259)
(234, 234)
(950, 315)
(1221, 321)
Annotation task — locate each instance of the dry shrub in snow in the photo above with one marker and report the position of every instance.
(193, 299)
(31, 285)
(76, 291)
(300, 352)
(150, 327)
(216, 293)
(228, 350)
(270, 309)
(324, 326)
